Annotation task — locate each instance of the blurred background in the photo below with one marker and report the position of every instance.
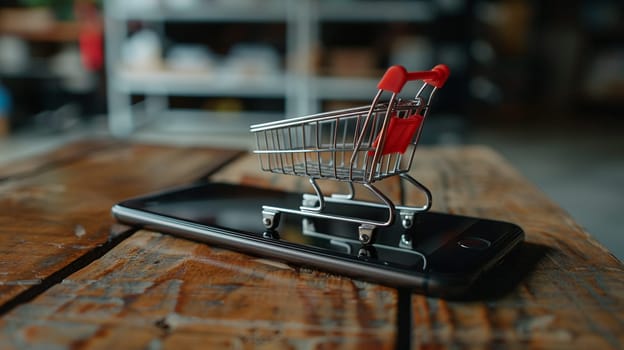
(542, 82)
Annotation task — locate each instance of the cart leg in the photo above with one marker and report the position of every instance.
(347, 196)
(385, 200)
(366, 231)
(307, 204)
(367, 251)
(270, 218)
(423, 189)
(270, 234)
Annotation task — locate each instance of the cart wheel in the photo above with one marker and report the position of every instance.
(367, 251)
(407, 219)
(366, 234)
(270, 219)
(270, 234)
(406, 241)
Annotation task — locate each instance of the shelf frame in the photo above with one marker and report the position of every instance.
(302, 91)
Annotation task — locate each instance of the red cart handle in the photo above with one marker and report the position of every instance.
(396, 76)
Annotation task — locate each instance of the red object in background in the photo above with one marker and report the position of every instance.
(91, 37)
(91, 49)
(399, 135)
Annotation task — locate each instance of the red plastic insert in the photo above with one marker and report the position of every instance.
(399, 135)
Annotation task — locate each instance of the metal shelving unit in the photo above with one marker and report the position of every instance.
(298, 85)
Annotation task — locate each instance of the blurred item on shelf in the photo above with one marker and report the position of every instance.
(14, 55)
(412, 51)
(483, 89)
(246, 60)
(352, 62)
(67, 65)
(510, 21)
(605, 76)
(306, 61)
(190, 59)
(482, 52)
(453, 55)
(224, 105)
(142, 51)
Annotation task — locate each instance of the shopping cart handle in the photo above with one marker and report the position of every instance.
(396, 76)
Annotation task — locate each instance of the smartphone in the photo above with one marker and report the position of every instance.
(440, 254)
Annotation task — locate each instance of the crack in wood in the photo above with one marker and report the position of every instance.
(46, 283)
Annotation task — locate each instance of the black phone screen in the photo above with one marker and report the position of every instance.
(441, 243)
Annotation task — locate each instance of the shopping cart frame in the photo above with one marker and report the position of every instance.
(300, 146)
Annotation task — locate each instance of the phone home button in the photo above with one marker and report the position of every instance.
(474, 243)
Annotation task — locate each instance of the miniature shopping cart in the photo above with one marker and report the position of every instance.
(359, 145)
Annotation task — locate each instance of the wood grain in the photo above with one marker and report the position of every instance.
(57, 157)
(175, 293)
(60, 210)
(561, 289)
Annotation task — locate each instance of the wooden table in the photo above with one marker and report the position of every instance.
(70, 277)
